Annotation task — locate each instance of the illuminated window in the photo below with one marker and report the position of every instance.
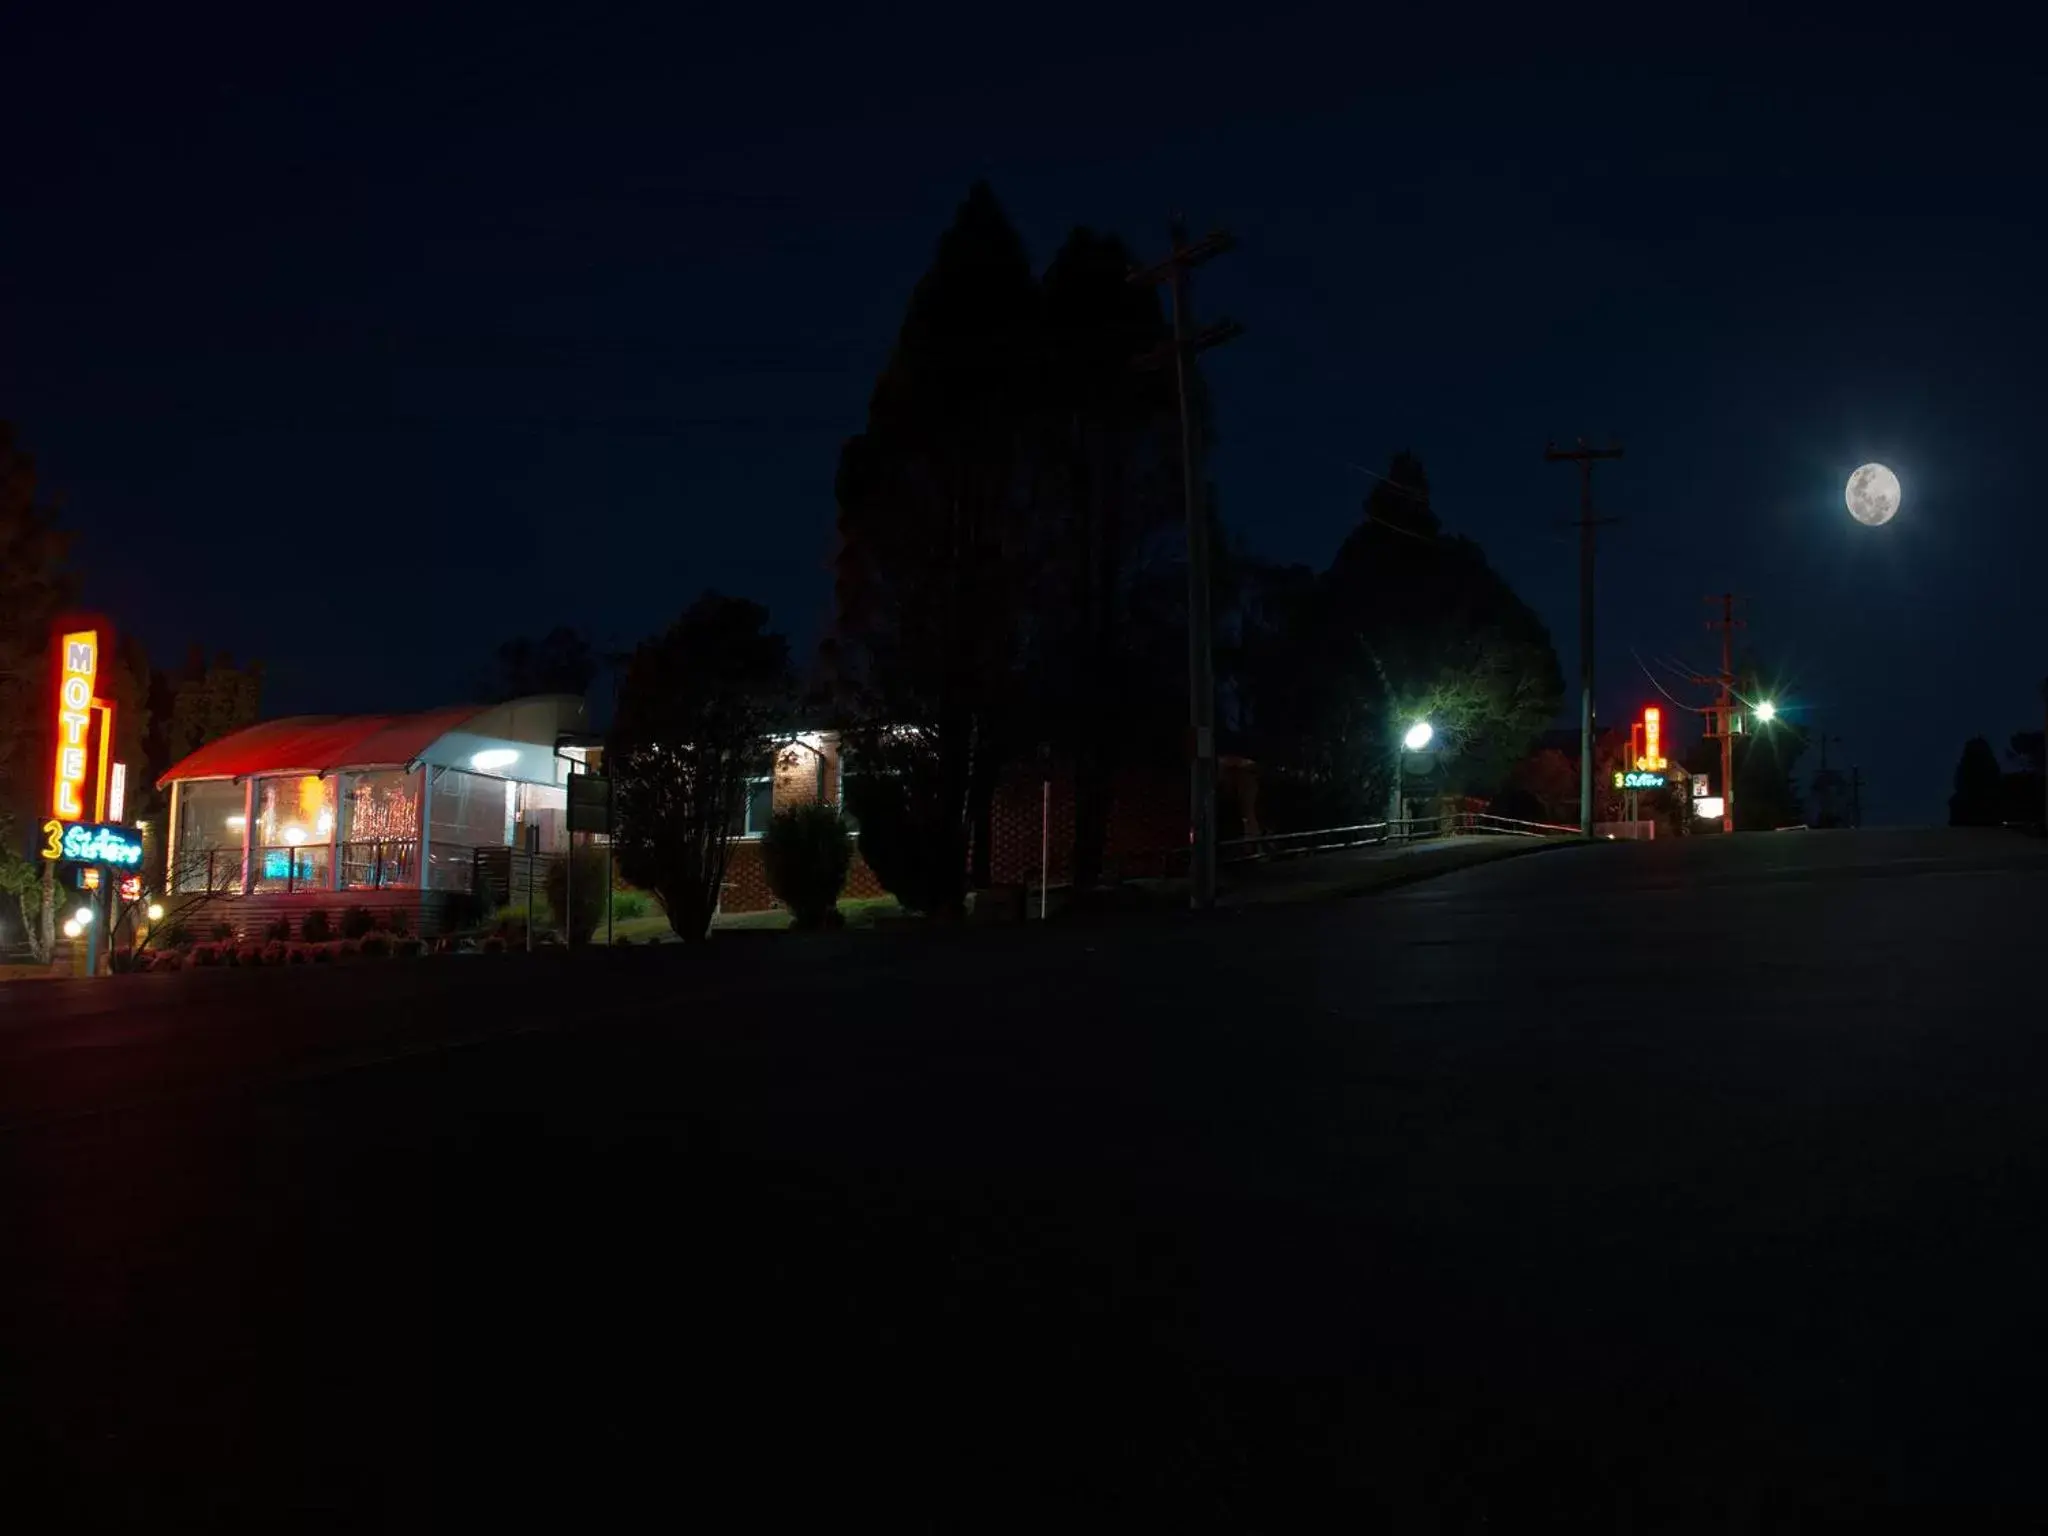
(757, 809)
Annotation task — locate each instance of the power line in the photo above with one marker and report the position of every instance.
(1696, 709)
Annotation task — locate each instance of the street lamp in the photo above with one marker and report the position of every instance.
(156, 911)
(82, 917)
(1766, 712)
(1418, 736)
(71, 928)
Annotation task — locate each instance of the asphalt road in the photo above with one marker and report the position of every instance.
(1687, 1187)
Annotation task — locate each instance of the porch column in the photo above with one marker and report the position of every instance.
(171, 846)
(334, 832)
(426, 820)
(248, 835)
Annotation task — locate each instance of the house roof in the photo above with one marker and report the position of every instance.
(322, 744)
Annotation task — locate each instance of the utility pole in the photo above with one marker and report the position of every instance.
(1185, 256)
(1585, 458)
(1724, 707)
(1855, 796)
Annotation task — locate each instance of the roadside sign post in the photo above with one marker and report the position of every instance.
(590, 810)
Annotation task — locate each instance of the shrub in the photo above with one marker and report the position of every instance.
(298, 954)
(350, 948)
(398, 920)
(279, 931)
(376, 945)
(909, 842)
(169, 962)
(405, 946)
(249, 955)
(805, 854)
(316, 927)
(177, 936)
(630, 904)
(273, 952)
(588, 888)
(356, 921)
(223, 932)
(203, 954)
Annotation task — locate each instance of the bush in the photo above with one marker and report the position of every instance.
(203, 954)
(316, 928)
(177, 936)
(376, 945)
(250, 955)
(280, 931)
(405, 946)
(169, 962)
(806, 853)
(397, 920)
(630, 904)
(350, 949)
(588, 888)
(916, 855)
(356, 922)
(223, 932)
(273, 952)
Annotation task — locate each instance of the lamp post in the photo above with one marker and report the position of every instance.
(1414, 739)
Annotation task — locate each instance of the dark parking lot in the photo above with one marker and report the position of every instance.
(1663, 1187)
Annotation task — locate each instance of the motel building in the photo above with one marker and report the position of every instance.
(405, 812)
(390, 812)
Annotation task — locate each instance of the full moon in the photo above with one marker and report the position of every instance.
(1873, 495)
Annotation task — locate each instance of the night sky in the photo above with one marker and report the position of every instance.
(358, 345)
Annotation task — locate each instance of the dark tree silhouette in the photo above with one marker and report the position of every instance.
(35, 586)
(696, 713)
(561, 661)
(1409, 622)
(932, 573)
(1978, 788)
(1108, 505)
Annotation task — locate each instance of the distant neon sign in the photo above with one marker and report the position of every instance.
(1653, 736)
(86, 842)
(1635, 779)
(78, 661)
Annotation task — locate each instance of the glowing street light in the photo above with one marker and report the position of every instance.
(1418, 736)
(1766, 712)
(82, 917)
(156, 911)
(71, 928)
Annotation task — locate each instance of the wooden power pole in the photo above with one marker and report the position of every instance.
(1185, 256)
(1585, 458)
(1724, 706)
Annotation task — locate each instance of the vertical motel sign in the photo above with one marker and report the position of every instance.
(80, 776)
(1651, 758)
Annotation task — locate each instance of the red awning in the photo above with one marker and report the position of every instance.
(322, 744)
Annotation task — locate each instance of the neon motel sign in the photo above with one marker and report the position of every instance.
(78, 659)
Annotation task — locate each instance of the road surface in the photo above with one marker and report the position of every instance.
(1671, 1187)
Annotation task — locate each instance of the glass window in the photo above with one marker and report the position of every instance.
(465, 812)
(545, 808)
(209, 837)
(380, 835)
(756, 808)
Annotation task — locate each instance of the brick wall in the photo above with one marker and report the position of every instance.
(746, 882)
(1147, 832)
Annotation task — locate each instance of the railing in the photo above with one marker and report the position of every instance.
(380, 862)
(1280, 844)
(291, 867)
(208, 872)
(1368, 834)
